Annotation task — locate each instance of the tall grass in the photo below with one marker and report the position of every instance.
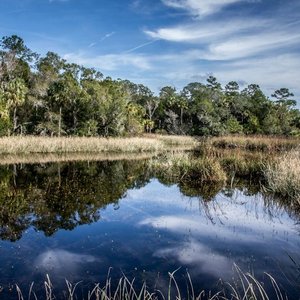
(33, 144)
(283, 176)
(245, 287)
(256, 143)
(175, 140)
(42, 158)
(184, 167)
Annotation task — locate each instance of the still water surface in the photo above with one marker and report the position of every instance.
(78, 220)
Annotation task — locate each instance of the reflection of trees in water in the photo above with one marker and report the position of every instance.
(262, 204)
(57, 196)
(62, 196)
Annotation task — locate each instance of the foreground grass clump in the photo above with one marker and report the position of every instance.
(283, 176)
(245, 287)
(185, 167)
(256, 143)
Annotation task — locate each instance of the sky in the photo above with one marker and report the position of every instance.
(167, 42)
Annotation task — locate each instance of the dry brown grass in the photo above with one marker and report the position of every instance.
(178, 140)
(256, 143)
(43, 158)
(33, 144)
(283, 176)
(184, 167)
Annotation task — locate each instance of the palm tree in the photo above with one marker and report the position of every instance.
(15, 95)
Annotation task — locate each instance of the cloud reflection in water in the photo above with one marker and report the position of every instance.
(62, 262)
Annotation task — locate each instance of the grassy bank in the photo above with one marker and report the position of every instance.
(283, 176)
(278, 174)
(184, 167)
(42, 158)
(256, 143)
(273, 160)
(33, 144)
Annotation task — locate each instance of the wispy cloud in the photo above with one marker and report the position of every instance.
(200, 7)
(206, 31)
(140, 46)
(103, 38)
(108, 35)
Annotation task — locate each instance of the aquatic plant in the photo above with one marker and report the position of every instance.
(184, 167)
(283, 176)
(244, 287)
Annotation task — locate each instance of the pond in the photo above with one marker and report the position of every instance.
(81, 220)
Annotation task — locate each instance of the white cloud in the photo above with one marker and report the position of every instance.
(250, 45)
(202, 32)
(200, 7)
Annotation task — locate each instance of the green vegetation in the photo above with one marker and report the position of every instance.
(277, 172)
(46, 95)
(184, 167)
(283, 176)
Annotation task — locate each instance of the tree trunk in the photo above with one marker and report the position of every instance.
(15, 119)
(59, 122)
(181, 116)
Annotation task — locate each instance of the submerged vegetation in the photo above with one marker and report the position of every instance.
(48, 96)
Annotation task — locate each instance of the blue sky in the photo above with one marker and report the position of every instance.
(167, 42)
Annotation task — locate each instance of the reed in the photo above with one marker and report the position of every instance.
(184, 167)
(34, 144)
(283, 176)
(256, 143)
(175, 140)
(245, 287)
(43, 158)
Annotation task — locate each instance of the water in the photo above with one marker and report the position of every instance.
(78, 220)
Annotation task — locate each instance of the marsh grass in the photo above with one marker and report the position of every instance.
(184, 167)
(283, 176)
(256, 143)
(43, 158)
(244, 287)
(175, 140)
(34, 144)
(244, 164)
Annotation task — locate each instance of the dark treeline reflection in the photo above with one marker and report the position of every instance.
(62, 196)
(49, 197)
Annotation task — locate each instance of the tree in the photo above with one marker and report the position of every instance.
(284, 107)
(15, 58)
(14, 96)
(282, 97)
(213, 84)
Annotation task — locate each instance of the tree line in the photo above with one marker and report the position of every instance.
(46, 95)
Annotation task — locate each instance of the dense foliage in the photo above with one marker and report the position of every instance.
(49, 96)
